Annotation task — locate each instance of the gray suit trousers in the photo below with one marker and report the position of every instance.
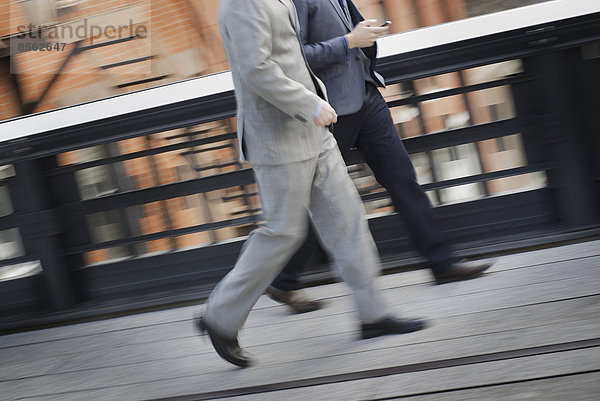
(319, 188)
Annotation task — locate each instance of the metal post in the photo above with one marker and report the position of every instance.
(40, 234)
(558, 136)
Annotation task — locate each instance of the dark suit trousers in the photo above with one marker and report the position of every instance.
(372, 131)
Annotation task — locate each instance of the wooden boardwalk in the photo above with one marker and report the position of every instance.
(528, 330)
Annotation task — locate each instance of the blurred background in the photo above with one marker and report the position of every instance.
(181, 42)
(185, 43)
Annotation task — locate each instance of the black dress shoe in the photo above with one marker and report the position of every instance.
(294, 299)
(391, 325)
(463, 271)
(227, 348)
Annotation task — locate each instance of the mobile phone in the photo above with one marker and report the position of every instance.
(386, 23)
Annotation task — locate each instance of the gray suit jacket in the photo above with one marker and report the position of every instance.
(322, 25)
(276, 93)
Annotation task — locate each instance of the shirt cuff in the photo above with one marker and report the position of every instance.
(318, 110)
(345, 40)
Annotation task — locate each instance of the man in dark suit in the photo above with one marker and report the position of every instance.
(341, 50)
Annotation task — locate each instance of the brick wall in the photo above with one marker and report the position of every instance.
(184, 42)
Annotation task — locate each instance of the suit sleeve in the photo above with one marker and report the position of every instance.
(249, 30)
(321, 54)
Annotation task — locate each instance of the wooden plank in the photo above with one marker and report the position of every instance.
(311, 357)
(537, 273)
(486, 374)
(43, 359)
(432, 302)
(446, 384)
(581, 387)
(324, 323)
(507, 262)
(521, 304)
(414, 283)
(532, 262)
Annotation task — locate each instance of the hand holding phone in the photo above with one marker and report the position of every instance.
(365, 34)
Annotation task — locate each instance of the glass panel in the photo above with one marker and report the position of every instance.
(502, 153)
(365, 183)
(173, 214)
(6, 207)
(505, 153)
(456, 162)
(437, 115)
(491, 104)
(492, 72)
(461, 193)
(406, 119)
(455, 111)
(424, 172)
(519, 183)
(463, 110)
(423, 169)
(184, 163)
(10, 244)
(107, 226)
(184, 160)
(7, 171)
(398, 91)
(95, 182)
(20, 270)
(445, 113)
(437, 83)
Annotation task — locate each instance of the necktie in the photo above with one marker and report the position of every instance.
(344, 6)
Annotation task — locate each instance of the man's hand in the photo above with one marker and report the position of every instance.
(327, 115)
(364, 35)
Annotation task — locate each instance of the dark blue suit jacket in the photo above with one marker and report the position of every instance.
(322, 26)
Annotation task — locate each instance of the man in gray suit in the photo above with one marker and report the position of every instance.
(340, 48)
(282, 117)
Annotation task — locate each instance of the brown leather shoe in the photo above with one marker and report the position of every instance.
(294, 299)
(462, 270)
